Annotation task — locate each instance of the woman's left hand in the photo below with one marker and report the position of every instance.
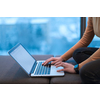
(67, 67)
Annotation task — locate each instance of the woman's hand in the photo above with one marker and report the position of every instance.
(67, 67)
(54, 59)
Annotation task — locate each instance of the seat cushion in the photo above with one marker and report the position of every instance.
(67, 79)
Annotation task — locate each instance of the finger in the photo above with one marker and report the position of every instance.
(51, 59)
(64, 65)
(60, 70)
(48, 60)
(54, 62)
(59, 62)
(45, 63)
(58, 65)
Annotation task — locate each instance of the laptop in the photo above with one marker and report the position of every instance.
(32, 67)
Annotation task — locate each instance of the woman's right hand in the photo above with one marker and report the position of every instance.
(54, 59)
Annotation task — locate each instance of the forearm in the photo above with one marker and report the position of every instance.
(84, 42)
(69, 53)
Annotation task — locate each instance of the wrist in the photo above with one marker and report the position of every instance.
(62, 59)
(76, 68)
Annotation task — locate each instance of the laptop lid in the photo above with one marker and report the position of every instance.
(23, 58)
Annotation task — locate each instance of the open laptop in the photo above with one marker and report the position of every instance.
(32, 67)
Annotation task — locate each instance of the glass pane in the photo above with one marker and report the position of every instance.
(39, 35)
(96, 40)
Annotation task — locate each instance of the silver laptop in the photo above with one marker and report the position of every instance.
(32, 67)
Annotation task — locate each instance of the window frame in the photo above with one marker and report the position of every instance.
(83, 26)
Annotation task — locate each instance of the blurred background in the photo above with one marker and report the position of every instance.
(41, 35)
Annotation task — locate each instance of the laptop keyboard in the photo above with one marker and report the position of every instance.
(42, 69)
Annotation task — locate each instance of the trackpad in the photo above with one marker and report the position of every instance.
(54, 71)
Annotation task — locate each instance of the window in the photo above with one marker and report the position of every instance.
(39, 35)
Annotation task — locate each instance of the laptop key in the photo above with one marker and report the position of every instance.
(37, 70)
(48, 72)
(44, 70)
(41, 69)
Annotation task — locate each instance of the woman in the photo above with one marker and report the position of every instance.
(88, 59)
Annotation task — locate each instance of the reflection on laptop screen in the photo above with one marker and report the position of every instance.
(23, 58)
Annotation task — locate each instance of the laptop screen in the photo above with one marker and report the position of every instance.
(25, 60)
